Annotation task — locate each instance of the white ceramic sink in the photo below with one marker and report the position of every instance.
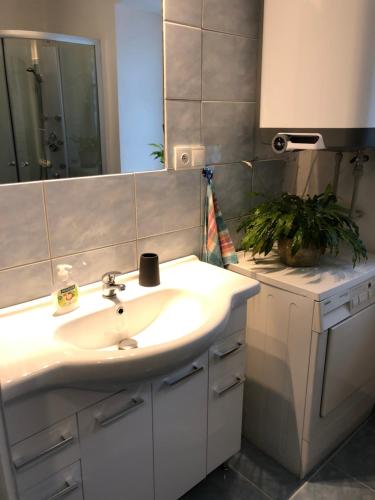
(160, 316)
(170, 324)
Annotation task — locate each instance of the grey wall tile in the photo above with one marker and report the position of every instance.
(167, 201)
(183, 62)
(233, 187)
(173, 245)
(88, 213)
(183, 126)
(268, 176)
(229, 67)
(24, 283)
(89, 267)
(22, 225)
(236, 236)
(184, 12)
(264, 151)
(240, 17)
(227, 131)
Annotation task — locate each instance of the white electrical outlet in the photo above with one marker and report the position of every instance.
(182, 157)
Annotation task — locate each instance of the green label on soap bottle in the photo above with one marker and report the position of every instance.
(67, 296)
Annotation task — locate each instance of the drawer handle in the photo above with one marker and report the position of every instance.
(23, 461)
(135, 403)
(224, 354)
(236, 383)
(68, 488)
(176, 380)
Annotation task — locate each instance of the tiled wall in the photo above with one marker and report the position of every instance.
(211, 49)
(104, 223)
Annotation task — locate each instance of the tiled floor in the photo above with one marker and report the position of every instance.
(251, 475)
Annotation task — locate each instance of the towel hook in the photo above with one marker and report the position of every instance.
(208, 173)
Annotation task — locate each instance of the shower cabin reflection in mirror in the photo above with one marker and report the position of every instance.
(49, 109)
(81, 88)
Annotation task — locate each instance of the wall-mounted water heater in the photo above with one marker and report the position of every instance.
(318, 74)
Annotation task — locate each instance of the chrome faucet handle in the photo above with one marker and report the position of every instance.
(109, 278)
(110, 286)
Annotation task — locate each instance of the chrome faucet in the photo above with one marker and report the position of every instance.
(110, 286)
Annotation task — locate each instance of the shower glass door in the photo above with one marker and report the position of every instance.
(8, 164)
(53, 102)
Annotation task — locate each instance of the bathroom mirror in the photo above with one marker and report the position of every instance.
(81, 88)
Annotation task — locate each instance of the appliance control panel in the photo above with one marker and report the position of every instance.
(337, 308)
(362, 295)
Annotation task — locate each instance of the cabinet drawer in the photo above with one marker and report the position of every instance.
(116, 446)
(180, 429)
(31, 414)
(225, 399)
(45, 453)
(228, 356)
(66, 484)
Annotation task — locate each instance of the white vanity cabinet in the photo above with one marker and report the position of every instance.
(180, 429)
(154, 440)
(116, 446)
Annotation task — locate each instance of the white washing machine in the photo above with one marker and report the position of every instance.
(310, 357)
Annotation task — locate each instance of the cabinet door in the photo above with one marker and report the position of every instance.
(225, 398)
(116, 447)
(180, 429)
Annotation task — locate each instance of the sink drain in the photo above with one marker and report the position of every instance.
(127, 344)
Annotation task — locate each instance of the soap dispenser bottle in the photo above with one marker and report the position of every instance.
(66, 295)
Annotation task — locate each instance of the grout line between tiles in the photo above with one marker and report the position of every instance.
(228, 102)
(211, 30)
(25, 265)
(175, 23)
(228, 33)
(356, 479)
(136, 219)
(170, 232)
(73, 254)
(210, 101)
(44, 194)
(94, 249)
(188, 99)
(249, 481)
(80, 252)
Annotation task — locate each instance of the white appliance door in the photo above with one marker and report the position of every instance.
(350, 360)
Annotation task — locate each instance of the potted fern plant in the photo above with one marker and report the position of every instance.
(303, 228)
